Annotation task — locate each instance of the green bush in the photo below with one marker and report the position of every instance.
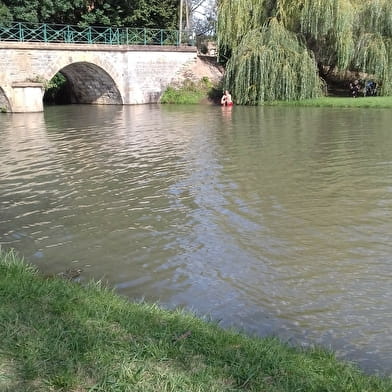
(55, 89)
(189, 92)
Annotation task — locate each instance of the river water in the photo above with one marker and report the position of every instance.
(274, 220)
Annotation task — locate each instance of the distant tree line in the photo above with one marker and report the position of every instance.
(134, 13)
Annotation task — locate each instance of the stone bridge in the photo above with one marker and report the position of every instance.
(97, 74)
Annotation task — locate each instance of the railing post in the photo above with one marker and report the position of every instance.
(45, 33)
(126, 32)
(145, 36)
(20, 32)
(161, 37)
(89, 37)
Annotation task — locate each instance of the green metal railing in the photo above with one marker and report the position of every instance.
(28, 32)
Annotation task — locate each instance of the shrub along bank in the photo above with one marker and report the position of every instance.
(59, 336)
(191, 92)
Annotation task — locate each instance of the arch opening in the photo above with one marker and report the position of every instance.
(83, 83)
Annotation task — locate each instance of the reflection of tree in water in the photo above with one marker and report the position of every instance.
(303, 188)
(280, 214)
(306, 155)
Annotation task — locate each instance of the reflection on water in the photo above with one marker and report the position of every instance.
(275, 220)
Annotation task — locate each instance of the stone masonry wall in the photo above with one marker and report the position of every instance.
(98, 73)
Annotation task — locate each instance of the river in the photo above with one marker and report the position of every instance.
(274, 220)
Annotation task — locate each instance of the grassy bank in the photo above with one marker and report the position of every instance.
(58, 336)
(194, 93)
(343, 102)
(191, 92)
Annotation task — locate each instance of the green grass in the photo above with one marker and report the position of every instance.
(182, 96)
(345, 102)
(191, 92)
(59, 336)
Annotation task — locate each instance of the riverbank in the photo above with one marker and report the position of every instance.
(205, 92)
(59, 336)
(199, 82)
(192, 92)
(343, 102)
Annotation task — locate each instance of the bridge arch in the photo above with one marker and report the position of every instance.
(4, 101)
(90, 84)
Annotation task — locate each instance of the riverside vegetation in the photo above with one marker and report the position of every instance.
(204, 91)
(288, 49)
(57, 335)
(191, 92)
(363, 102)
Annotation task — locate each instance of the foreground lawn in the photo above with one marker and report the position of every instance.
(360, 102)
(59, 336)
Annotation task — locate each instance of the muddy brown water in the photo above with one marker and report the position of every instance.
(273, 220)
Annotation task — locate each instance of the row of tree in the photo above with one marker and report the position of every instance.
(286, 49)
(198, 15)
(134, 13)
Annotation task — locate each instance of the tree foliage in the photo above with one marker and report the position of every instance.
(203, 17)
(133, 13)
(276, 48)
(5, 14)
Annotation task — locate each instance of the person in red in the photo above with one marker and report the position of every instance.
(226, 99)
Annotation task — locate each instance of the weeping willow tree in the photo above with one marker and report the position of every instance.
(281, 49)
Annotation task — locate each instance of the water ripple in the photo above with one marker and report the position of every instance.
(275, 220)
